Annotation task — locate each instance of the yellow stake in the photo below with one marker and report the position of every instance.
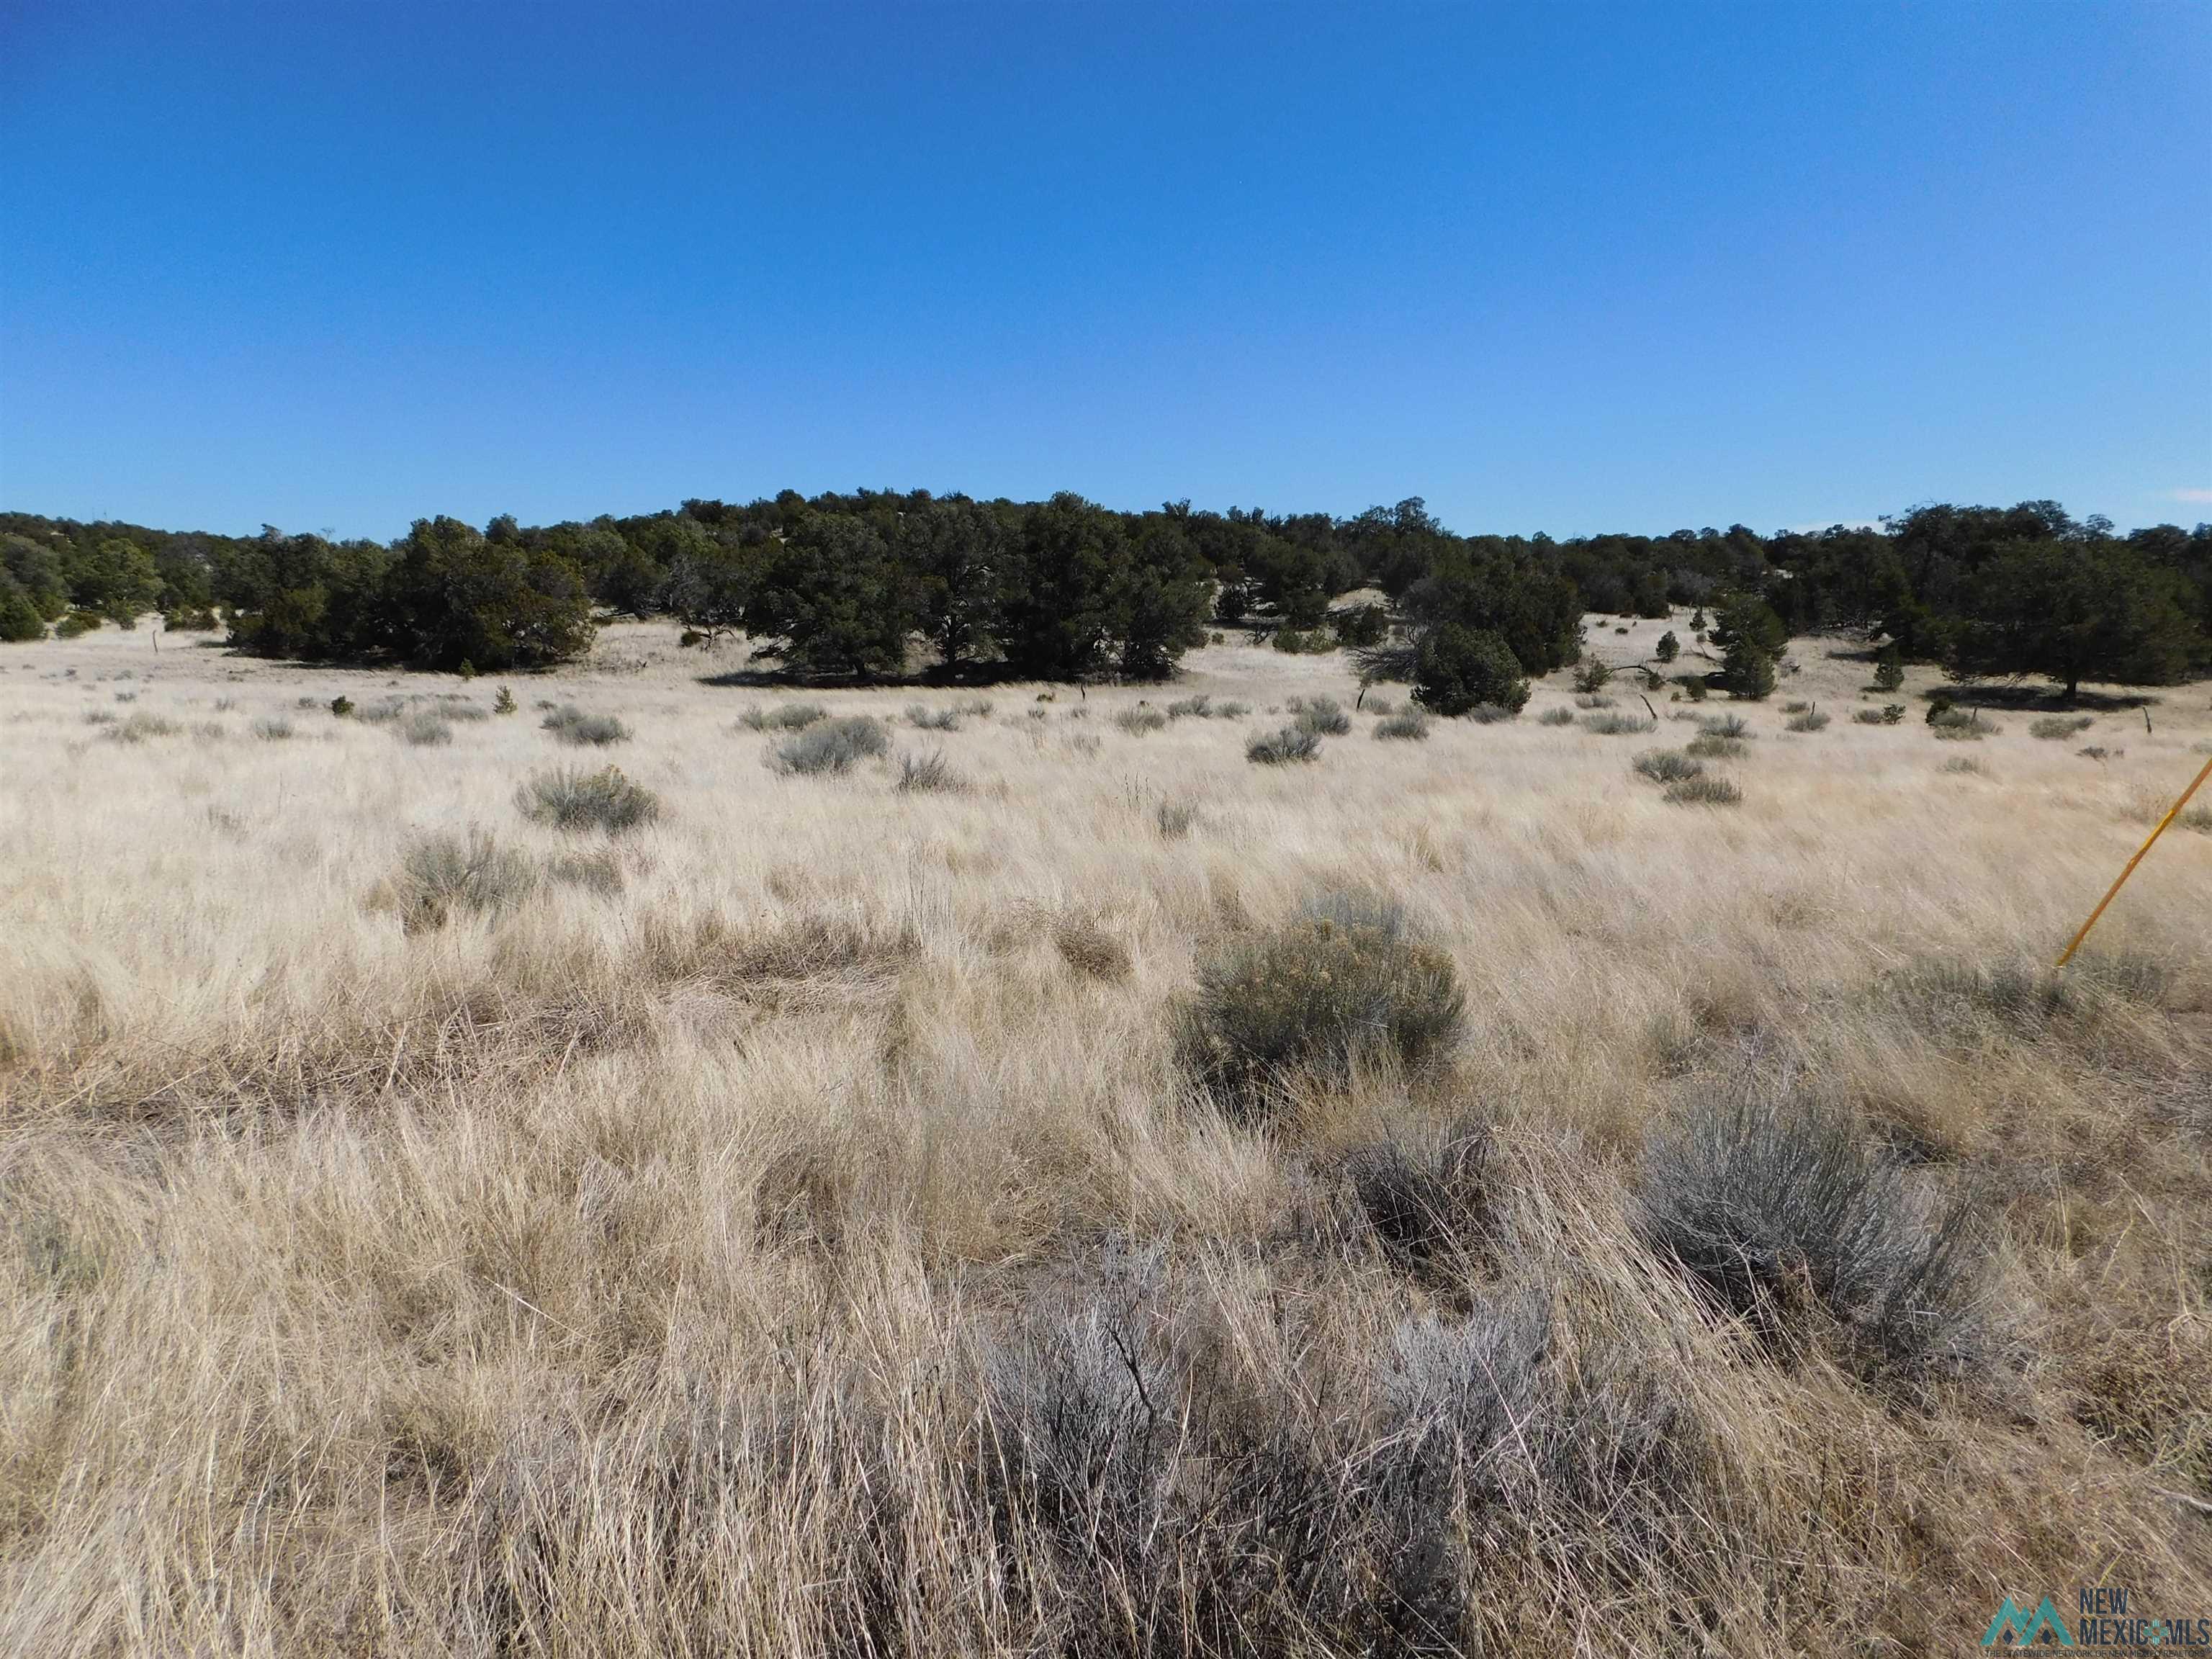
(2137, 858)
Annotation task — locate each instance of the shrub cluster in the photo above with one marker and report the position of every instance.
(1667, 766)
(830, 746)
(440, 874)
(927, 774)
(604, 799)
(1346, 983)
(1412, 726)
(1615, 725)
(1704, 792)
(782, 717)
(1280, 747)
(1783, 1214)
(1323, 716)
(571, 725)
(1140, 719)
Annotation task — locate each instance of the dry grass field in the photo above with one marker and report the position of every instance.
(826, 1216)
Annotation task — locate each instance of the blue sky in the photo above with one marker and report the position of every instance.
(1551, 267)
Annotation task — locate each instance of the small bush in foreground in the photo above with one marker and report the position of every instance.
(1811, 720)
(597, 872)
(1703, 792)
(139, 728)
(1963, 766)
(1556, 717)
(272, 729)
(1667, 766)
(1868, 717)
(571, 725)
(1711, 748)
(1413, 725)
(1315, 998)
(1426, 1202)
(1174, 819)
(504, 704)
(830, 746)
(934, 719)
(1957, 725)
(928, 775)
(1618, 725)
(1323, 716)
(440, 874)
(424, 728)
(1142, 719)
(341, 706)
(1088, 949)
(1781, 1213)
(784, 717)
(1278, 748)
(2059, 727)
(604, 799)
(1725, 726)
(1191, 708)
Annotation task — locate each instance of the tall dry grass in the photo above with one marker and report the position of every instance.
(795, 1244)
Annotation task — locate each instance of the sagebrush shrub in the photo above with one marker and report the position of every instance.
(1810, 721)
(1782, 1212)
(934, 719)
(1278, 748)
(1089, 948)
(1231, 710)
(597, 871)
(830, 746)
(423, 728)
(1556, 717)
(571, 725)
(1705, 746)
(1426, 1201)
(1868, 717)
(1315, 997)
(1413, 725)
(141, 726)
(930, 774)
(1962, 725)
(1616, 726)
(1323, 716)
(272, 728)
(2058, 728)
(1198, 707)
(442, 872)
(577, 800)
(1725, 726)
(1667, 766)
(783, 717)
(1704, 792)
(1142, 719)
(1175, 818)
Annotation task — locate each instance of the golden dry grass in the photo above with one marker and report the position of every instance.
(682, 1255)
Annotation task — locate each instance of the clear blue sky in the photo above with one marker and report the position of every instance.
(1551, 267)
